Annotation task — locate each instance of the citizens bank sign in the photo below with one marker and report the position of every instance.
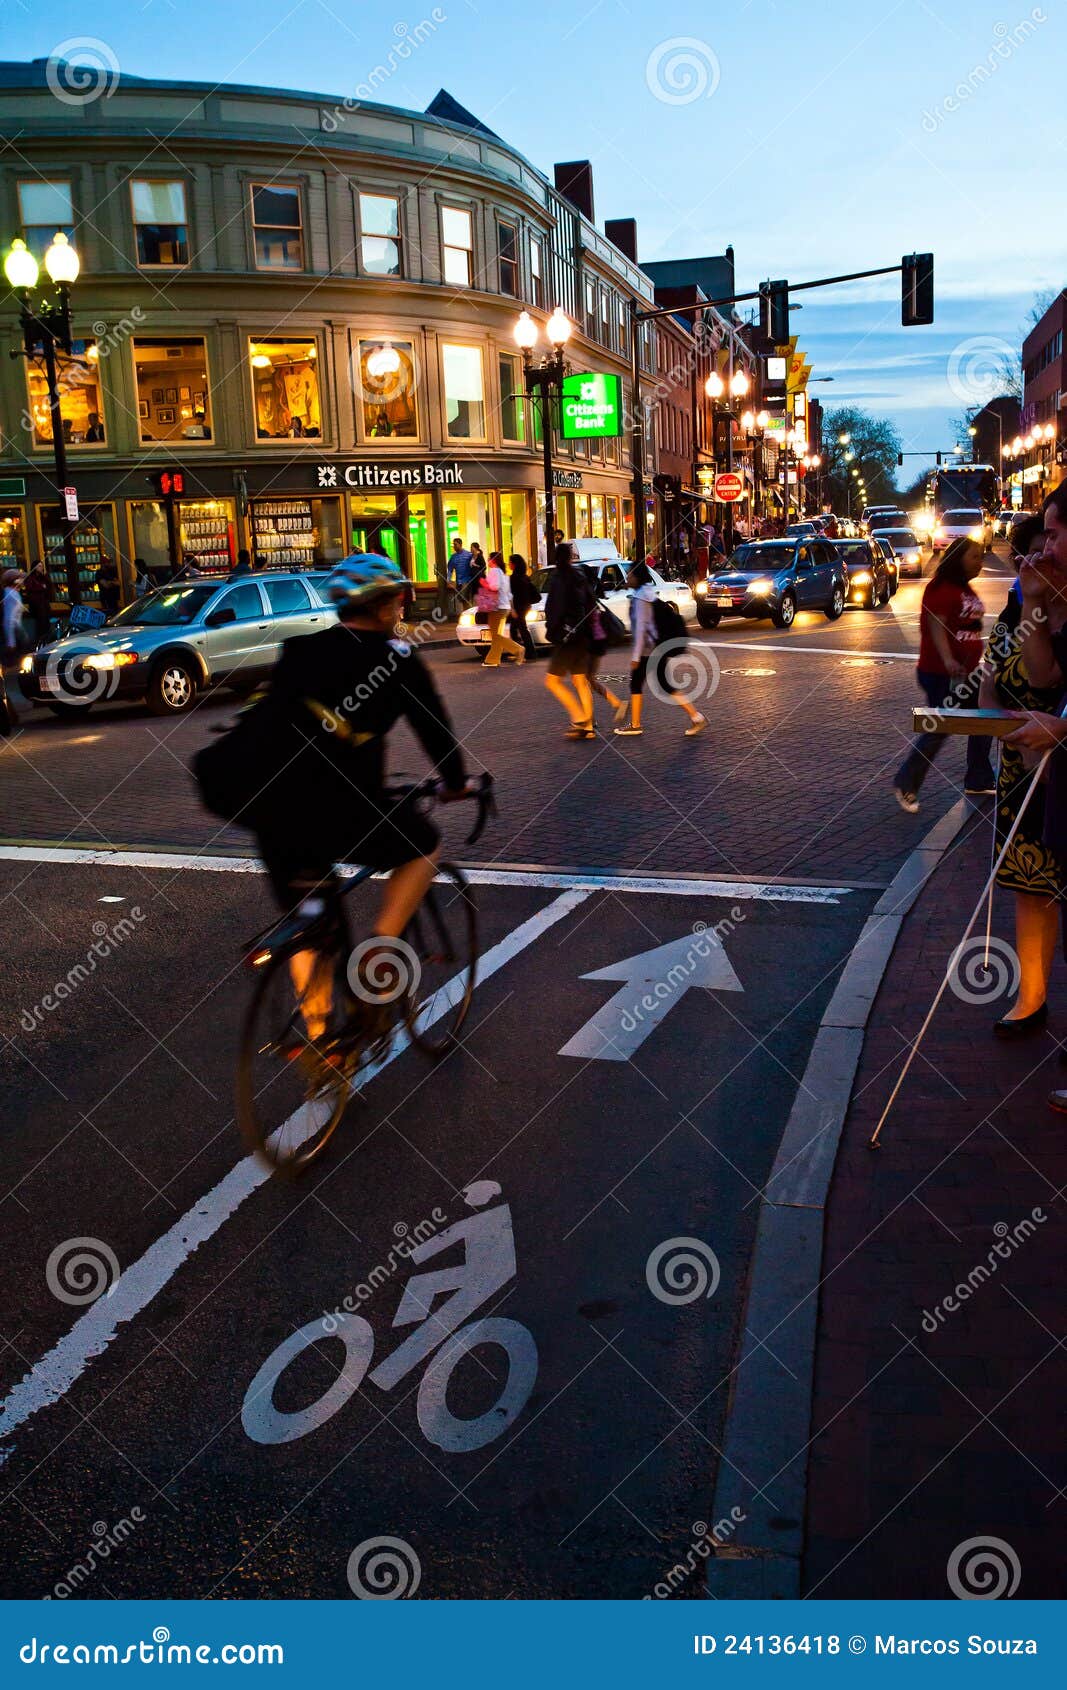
(394, 475)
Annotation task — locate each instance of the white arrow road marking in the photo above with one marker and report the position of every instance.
(51, 1378)
(655, 981)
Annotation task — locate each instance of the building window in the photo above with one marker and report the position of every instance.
(464, 392)
(624, 326)
(605, 318)
(379, 228)
(537, 275)
(512, 413)
(45, 209)
(590, 308)
(387, 390)
(277, 227)
(507, 238)
(457, 246)
(285, 389)
(80, 410)
(173, 395)
(159, 222)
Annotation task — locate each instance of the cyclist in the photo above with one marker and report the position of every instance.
(333, 698)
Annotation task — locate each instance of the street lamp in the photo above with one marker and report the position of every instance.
(45, 324)
(546, 377)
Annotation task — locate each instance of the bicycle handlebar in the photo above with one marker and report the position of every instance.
(480, 790)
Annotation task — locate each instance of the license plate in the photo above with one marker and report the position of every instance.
(724, 604)
(45, 683)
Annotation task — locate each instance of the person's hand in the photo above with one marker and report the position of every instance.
(1033, 583)
(1039, 732)
(958, 671)
(449, 795)
(634, 661)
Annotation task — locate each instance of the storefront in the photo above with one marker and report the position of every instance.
(94, 541)
(13, 537)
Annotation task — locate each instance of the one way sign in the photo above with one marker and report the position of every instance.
(654, 981)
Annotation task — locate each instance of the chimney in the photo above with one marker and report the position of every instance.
(622, 232)
(575, 182)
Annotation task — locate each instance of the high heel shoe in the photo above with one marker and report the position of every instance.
(1022, 1026)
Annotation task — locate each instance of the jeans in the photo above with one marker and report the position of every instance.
(916, 765)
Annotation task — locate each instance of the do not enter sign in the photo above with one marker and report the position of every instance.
(728, 487)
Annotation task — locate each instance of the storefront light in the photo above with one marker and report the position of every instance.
(714, 387)
(260, 361)
(61, 260)
(559, 327)
(739, 384)
(525, 332)
(21, 268)
(384, 361)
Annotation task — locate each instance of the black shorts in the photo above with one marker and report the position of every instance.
(382, 834)
(659, 661)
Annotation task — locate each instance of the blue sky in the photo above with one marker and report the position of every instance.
(816, 138)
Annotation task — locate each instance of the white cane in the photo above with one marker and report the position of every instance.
(987, 888)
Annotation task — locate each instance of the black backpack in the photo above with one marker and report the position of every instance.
(669, 623)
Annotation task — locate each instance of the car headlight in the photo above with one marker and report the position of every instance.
(109, 660)
(761, 586)
(537, 614)
(862, 578)
(976, 534)
(701, 588)
(26, 666)
(467, 619)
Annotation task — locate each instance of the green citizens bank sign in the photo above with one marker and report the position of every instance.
(592, 406)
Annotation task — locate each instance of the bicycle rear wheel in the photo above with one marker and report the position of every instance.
(289, 1099)
(444, 936)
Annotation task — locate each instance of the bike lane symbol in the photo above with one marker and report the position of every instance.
(489, 1263)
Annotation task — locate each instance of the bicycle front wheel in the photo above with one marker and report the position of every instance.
(444, 937)
(290, 1097)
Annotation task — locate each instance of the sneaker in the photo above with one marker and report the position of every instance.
(906, 800)
(696, 727)
(1058, 1100)
(629, 733)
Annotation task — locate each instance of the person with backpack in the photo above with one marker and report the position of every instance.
(659, 633)
(524, 595)
(494, 603)
(569, 610)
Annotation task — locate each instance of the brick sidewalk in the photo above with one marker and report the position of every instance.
(925, 1437)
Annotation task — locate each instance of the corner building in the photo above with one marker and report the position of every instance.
(306, 305)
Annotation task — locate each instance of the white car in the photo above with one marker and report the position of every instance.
(905, 546)
(608, 576)
(967, 524)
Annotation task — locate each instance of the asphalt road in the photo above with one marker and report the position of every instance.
(597, 1213)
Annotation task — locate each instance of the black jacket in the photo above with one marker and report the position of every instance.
(367, 681)
(569, 606)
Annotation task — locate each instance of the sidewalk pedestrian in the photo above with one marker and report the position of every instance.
(12, 638)
(950, 651)
(243, 566)
(494, 599)
(1031, 869)
(646, 640)
(109, 585)
(524, 595)
(37, 592)
(460, 570)
(569, 607)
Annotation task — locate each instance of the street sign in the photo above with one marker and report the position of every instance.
(12, 487)
(728, 487)
(654, 981)
(70, 504)
(591, 406)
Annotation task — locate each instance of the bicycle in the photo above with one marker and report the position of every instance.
(291, 1090)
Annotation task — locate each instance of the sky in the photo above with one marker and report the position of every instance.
(816, 139)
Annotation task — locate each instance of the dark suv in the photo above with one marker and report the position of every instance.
(869, 581)
(774, 578)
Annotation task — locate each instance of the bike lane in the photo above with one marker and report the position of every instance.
(579, 1178)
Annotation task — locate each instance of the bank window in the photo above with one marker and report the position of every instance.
(80, 409)
(387, 390)
(277, 227)
(512, 415)
(537, 276)
(379, 231)
(464, 392)
(160, 223)
(507, 237)
(285, 389)
(590, 309)
(457, 246)
(45, 209)
(173, 394)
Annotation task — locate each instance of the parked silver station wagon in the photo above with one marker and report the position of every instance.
(173, 643)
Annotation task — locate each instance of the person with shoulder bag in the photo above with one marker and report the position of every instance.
(524, 595)
(656, 639)
(569, 609)
(494, 602)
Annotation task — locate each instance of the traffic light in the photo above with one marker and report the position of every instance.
(917, 289)
(774, 311)
(900, 460)
(939, 459)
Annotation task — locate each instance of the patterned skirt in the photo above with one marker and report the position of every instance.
(1030, 866)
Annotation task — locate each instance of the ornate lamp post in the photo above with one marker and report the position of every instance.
(45, 324)
(545, 378)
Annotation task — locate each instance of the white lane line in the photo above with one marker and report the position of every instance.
(816, 650)
(787, 892)
(51, 1377)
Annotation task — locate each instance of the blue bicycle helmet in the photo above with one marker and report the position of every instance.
(364, 577)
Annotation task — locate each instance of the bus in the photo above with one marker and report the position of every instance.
(970, 487)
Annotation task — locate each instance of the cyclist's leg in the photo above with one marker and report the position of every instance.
(402, 894)
(311, 971)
